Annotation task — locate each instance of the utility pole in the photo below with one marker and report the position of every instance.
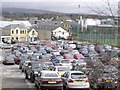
(78, 21)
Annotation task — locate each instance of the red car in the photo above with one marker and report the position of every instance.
(68, 56)
(78, 56)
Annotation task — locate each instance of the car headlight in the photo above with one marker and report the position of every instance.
(35, 72)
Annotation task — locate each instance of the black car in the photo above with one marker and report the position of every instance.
(33, 68)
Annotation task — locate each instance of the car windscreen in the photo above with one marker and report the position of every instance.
(51, 75)
(48, 63)
(36, 65)
(9, 57)
(78, 75)
(79, 55)
(68, 55)
(65, 61)
(63, 69)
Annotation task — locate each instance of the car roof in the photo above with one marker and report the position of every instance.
(76, 72)
(47, 71)
(61, 66)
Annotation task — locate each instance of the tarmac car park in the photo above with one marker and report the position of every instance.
(58, 65)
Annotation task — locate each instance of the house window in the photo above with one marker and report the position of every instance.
(20, 32)
(23, 31)
(12, 38)
(16, 31)
(33, 33)
(16, 38)
(59, 31)
(63, 33)
(12, 32)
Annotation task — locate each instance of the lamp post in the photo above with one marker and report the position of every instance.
(78, 21)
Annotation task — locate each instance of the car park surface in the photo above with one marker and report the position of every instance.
(49, 56)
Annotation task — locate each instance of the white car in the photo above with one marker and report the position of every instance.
(75, 80)
(64, 62)
(60, 69)
(6, 46)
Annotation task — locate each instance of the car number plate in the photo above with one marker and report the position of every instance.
(108, 80)
(52, 82)
(9, 60)
(80, 81)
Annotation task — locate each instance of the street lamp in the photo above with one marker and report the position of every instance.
(78, 21)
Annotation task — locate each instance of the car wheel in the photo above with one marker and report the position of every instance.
(26, 76)
(66, 88)
(36, 85)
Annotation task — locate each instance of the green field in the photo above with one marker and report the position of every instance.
(102, 41)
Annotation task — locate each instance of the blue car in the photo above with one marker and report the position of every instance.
(83, 51)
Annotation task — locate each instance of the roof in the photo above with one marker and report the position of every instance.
(45, 27)
(59, 29)
(48, 22)
(48, 71)
(14, 26)
(27, 23)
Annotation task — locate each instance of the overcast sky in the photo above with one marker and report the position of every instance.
(65, 6)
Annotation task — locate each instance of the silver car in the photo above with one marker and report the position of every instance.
(75, 80)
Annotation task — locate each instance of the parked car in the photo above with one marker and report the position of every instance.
(68, 56)
(64, 62)
(8, 60)
(75, 80)
(60, 69)
(6, 46)
(33, 68)
(48, 80)
(78, 56)
(80, 62)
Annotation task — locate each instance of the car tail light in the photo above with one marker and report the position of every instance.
(86, 81)
(116, 80)
(21, 62)
(57, 72)
(99, 80)
(70, 81)
(60, 64)
(70, 64)
(77, 65)
(6, 60)
(18, 57)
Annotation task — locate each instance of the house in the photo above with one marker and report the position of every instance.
(60, 32)
(19, 32)
(6, 27)
(33, 35)
(44, 28)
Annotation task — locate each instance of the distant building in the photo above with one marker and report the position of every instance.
(16, 30)
(60, 32)
(19, 32)
(33, 35)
